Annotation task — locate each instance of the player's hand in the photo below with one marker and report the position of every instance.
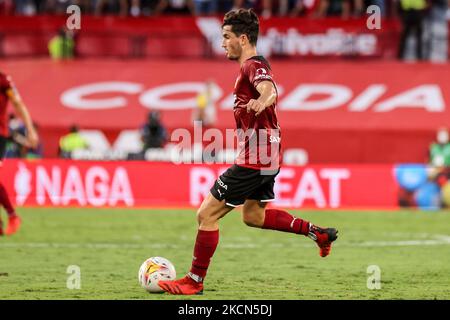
(256, 106)
(33, 139)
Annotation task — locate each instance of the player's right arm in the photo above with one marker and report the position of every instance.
(23, 113)
(268, 95)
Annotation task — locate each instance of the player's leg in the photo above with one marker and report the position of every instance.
(208, 216)
(5, 202)
(13, 218)
(1, 226)
(255, 214)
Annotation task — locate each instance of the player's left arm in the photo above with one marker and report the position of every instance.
(23, 113)
(267, 96)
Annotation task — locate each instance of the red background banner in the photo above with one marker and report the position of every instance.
(338, 112)
(145, 184)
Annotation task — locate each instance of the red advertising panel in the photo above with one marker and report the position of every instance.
(338, 112)
(145, 184)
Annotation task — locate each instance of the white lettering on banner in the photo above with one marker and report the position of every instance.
(50, 185)
(73, 188)
(333, 41)
(96, 189)
(100, 188)
(309, 186)
(367, 98)
(282, 186)
(425, 96)
(154, 98)
(297, 100)
(22, 184)
(201, 180)
(121, 188)
(429, 97)
(335, 176)
(75, 97)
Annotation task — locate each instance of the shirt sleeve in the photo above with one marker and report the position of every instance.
(6, 83)
(258, 72)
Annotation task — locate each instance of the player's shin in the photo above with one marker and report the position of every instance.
(281, 220)
(5, 201)
(205, 246)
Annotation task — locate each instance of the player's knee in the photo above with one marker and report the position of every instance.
(203, 216)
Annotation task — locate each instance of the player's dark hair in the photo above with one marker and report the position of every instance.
(243, 21)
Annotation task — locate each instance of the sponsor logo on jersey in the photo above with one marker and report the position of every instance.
(223, 185)
(261, 73)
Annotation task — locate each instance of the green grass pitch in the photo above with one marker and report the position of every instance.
(411, 248)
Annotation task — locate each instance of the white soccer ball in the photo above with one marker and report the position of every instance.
(154, 269)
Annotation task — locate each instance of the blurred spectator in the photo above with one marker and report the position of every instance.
(62, 45)
(299, 7)
(264, 8)
(26, 7)
(413, 13)
(111, 7)
(153, 133)
(175, 7)
(343, 8)
(206, 109)
(439, 152)
(437, 27)
(206, 7)
(352, 8)
(135, 8)
(54, 6)
(71, 142)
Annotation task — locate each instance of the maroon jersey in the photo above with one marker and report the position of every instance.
(5, 84)
(259, 136)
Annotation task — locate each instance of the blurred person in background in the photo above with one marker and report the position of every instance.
(206, 108)
(344, 8)
(296, 8)
(413, 14)
(439, 151)
(26, 7)
(62, 46)
(135, 8)
(8, 92)
(206, 7)
(153, 132)
(175, 7)
(439, 163)
(111, 7)
(71, 142)
(58, 7)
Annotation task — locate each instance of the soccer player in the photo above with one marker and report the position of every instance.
(8, 92)
(248, 182)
